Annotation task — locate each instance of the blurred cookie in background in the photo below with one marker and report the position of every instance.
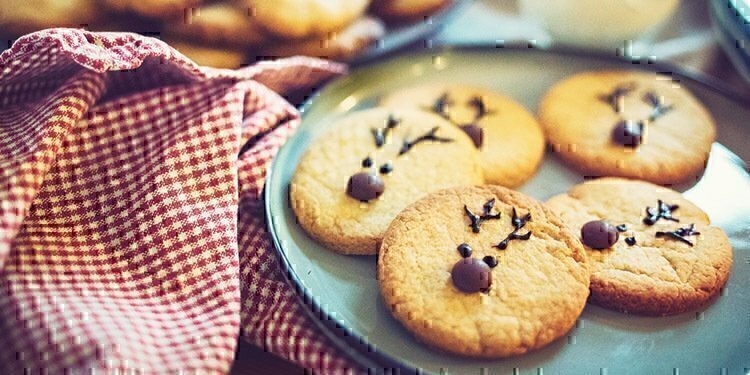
(225, 24)
(210, 32)
(18, 17)
(299, 19)
(153, 8)
(211, 56)
(398, 11)
(227, 33)
(338, 45)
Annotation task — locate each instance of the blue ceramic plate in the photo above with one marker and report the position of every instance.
(341, 292)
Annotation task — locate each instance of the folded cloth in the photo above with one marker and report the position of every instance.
(131, 238)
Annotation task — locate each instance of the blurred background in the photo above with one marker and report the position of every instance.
(706, 37)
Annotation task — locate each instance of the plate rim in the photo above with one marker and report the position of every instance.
(356, 347)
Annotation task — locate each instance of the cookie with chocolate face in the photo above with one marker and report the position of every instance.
(650, 250)
(370, 165)
(482, 271)
(510, 140)
(628, 124)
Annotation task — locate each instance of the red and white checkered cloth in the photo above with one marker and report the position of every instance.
(131, 234)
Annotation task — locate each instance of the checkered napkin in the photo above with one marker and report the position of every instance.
(131, 233)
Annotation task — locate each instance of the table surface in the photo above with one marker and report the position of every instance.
(686, 39)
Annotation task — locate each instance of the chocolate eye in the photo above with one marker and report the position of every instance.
(367, 162)
(490, 260)
(465, 250)
(386, 168)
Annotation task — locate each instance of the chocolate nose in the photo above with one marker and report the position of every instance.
(599, 234)
(475, 133)
(364, 186)
(628, 133)
(471, 275)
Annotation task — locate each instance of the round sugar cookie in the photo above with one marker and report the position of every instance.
(509, 138)
(665, 257)
(482, 271)
(371, 164)
(628, 124)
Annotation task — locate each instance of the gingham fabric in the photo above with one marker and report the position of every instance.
(131, 235)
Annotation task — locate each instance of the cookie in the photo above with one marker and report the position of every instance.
(221, 23)
(20, 17)
(510, 139)
(650, 250)
(628, 124)
(360, 174)
(406, 10)
(339, 45)
(153, 8)
(300, 19)
(210, 56)
(482, 271)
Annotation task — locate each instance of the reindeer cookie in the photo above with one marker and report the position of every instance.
(628, 124)
(369, 166)
(509, 138)
(482, 271)
(650, 251)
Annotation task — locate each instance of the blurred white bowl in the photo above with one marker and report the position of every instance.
(598, 23)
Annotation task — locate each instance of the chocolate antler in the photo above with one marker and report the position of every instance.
(429, 136)
(518, 223)
(657, 102)
(614, 98)
(480, 108)
(440, 104)
(680, 234)
(662, 211)
(380, 134)
(476, 221)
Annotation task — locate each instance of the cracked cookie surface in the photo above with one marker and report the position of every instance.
(319, 189)
(658, 274)
(539, 285)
